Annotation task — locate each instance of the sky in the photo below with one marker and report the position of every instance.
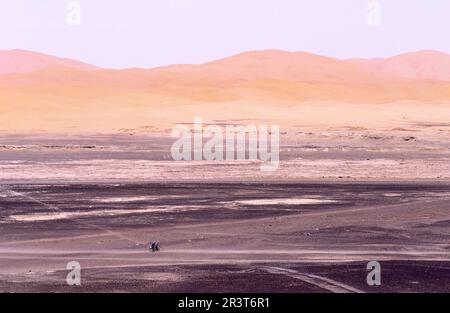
(149, 33)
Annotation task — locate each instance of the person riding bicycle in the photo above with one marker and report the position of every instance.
(155, 246)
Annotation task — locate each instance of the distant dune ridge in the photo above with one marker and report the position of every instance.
(21, 61)
(431, 65)
(39, 91)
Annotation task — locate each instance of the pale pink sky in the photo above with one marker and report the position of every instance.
(147, 33)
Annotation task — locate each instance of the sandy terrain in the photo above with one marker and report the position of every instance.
(410, 151)
(86, 175)
(217, 236)
(40, 93)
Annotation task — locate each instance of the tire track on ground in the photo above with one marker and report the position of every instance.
(319, 281)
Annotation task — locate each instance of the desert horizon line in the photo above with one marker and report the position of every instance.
(268, 50)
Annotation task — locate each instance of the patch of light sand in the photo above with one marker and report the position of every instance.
(53, 216)
(392, 194)
(298, 201)
(126, 199)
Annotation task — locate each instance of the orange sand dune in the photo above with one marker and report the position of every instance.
(431, 65)
(21, 61)
(60, 94)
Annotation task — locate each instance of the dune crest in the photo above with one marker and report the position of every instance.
(22, 61)
(432, 65)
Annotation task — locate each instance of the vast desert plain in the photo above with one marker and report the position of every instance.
(86, 175)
